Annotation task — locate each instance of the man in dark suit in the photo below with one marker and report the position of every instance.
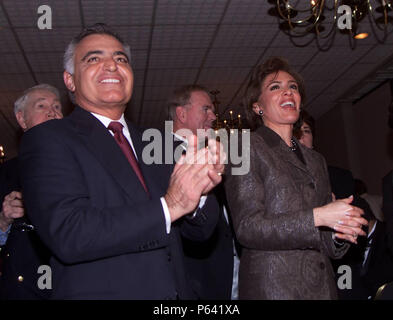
(387, 199)
(212, 264)
(370, 260)
(113, 228)
(23, 252)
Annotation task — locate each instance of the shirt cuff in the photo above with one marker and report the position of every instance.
(167, 215)
(4, 235)
(202, 201)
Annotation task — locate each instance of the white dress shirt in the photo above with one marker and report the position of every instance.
(106, 121)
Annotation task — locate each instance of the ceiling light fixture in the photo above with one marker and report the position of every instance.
(323, 18)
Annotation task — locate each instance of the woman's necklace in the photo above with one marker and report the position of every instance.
(294, 145)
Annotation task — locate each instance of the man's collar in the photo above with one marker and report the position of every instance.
(180, 138)
(106, 121)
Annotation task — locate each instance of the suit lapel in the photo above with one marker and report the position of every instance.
(101, 143)
(279, 146)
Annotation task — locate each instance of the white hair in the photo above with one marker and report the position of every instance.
(21, 102)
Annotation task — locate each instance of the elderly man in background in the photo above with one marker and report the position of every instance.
(23, 252)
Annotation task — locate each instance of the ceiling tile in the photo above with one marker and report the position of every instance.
(13, 63)
(16, 82)
(358, 71)
(121, 12)
(296, 56)
(8, 42)
(138, 59)
(182, 37)
(35, 40)
(248, 11)
(137, 37)
(54, 79)
(24, 13)
(340, 55)
(139, 75)
(378, 54)
(173, 58)
(158, 93)
(232, 57)
(3, 20)
(189, 12)
(173, 77)
(46, 62)
(247, 35)
(228, 75)
(312, 72)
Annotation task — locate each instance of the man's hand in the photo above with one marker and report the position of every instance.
(12, 209)
(195, 174)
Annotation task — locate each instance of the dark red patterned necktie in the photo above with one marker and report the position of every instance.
(117, 129)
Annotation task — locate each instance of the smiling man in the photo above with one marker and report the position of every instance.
(107, 217)
(23, 251)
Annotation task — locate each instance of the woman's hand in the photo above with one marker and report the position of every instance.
(343, 218)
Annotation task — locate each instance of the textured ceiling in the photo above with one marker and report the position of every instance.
(215, 43)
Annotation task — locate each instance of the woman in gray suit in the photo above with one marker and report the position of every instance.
(282, 210)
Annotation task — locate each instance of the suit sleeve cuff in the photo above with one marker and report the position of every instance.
(166, 214)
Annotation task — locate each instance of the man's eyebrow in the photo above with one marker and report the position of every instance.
(117, 53)
(90, 53)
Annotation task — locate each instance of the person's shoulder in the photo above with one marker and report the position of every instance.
(58, 129)
(312, 152)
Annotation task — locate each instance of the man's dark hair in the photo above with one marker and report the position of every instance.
(254, 88)
(181, 97)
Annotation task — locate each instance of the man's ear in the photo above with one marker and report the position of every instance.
(69, 81)
(181, 113)
(21, 120)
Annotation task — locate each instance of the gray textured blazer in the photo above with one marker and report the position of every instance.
(285, 256)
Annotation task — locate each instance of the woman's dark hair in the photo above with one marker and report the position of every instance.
(254, 87)
(304, 117)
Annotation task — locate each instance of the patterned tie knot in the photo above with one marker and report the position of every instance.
(115, 127)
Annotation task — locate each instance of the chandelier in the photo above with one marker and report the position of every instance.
(2, 155)
(228, 123)
(323, 18)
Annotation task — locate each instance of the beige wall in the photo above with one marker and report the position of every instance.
(357, 137)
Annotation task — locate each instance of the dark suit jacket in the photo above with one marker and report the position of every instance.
(387, 201)
(108, 237)
(284, 256)
(23, 252)
(379, 263)
(209, 263)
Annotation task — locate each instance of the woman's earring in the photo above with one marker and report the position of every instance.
(261, 113)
